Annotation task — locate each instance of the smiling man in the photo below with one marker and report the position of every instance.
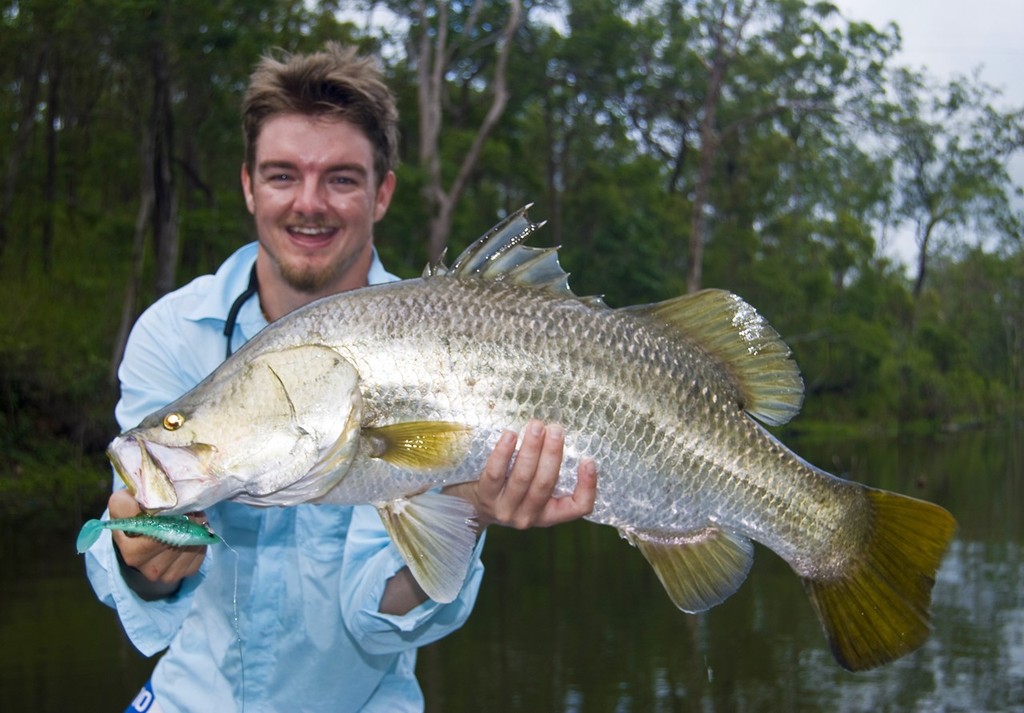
(312, 608)
(315, 196)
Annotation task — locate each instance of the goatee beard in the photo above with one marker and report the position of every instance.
(307, 280)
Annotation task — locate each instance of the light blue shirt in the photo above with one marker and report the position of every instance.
(287, 617)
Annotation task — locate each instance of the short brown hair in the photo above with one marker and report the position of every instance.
(336, 82)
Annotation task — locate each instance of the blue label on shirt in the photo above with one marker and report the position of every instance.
(145, 702)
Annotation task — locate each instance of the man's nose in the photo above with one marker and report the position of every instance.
(310, 198)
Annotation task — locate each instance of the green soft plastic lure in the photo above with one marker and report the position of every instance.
(174, 530)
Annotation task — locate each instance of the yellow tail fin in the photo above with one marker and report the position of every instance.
(877, 610)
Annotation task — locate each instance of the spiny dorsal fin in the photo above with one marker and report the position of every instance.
(698, 569)
(767, 379)
(499, 256)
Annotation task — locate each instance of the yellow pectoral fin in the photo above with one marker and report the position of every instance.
(698, 569)
(435, 535)
(420, 445)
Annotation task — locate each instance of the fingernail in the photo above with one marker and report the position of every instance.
(536, 428)
(555, 431)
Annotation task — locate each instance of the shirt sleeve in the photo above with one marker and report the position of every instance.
(149, 625)
(160, 364)
(370, 561)
(151, 376)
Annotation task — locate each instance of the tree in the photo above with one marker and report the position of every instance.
(460, 53)
(741, 66)
(952, 147)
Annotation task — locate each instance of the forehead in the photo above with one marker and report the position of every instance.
(313, 140)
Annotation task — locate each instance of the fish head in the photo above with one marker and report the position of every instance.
(276, 428)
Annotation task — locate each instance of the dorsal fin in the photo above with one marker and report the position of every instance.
(755, 357)
(499, 256)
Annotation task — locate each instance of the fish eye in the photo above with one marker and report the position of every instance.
(173, 421)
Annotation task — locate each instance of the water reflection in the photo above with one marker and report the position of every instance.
(762, 651)
(975, 658)
(60, 649)
(572, 619)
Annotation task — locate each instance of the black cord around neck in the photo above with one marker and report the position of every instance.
(232, 319)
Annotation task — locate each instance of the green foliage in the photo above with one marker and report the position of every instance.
(56, 400)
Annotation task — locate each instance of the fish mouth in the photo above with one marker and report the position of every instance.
(161, 478)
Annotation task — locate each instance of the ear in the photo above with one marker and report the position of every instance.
(383, 198)
(250, 200)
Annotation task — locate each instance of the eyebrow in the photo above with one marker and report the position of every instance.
(352, 167)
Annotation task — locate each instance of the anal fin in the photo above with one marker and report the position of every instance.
(698, 569)
(435, 535)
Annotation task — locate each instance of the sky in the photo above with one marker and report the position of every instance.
(946, 38)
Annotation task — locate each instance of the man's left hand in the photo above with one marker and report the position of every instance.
(519, 493)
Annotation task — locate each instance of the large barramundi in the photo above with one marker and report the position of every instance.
(383, 394)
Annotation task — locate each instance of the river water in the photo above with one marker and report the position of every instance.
(572, 619)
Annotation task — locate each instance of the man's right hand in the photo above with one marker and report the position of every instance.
(152, 569)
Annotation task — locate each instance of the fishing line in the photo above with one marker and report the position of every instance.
(236, 624)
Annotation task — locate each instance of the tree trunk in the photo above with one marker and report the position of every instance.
(727, 34)
(164, 193)
(129, 307)
(432, 63)
(924, 238)
(158, 206)
(708, 150)
(50, 186)
(553, 170)
(20, 142)
(698, 220)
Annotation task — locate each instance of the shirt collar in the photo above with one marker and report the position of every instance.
(226, 285)
(231, 279)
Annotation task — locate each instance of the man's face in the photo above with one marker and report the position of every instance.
(315, 199)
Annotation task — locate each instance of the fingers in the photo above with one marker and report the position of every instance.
(492, 480)
(173, 564)
(534, 475)
(156, 561)
(519, 493)
(121, 504)
(579, 504)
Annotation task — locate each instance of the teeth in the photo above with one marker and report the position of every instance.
(310, 231)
